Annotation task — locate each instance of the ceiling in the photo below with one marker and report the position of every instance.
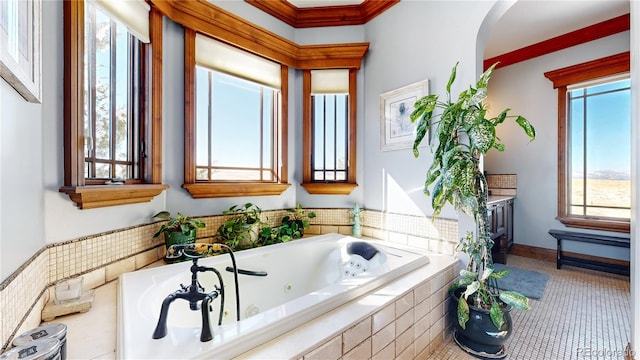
(525, 23)
(530, 21)
(319, 3)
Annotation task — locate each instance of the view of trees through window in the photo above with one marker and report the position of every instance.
(111, 80)
(236, 128)
(600, 150)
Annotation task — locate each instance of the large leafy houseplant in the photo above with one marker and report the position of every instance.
(464, 134)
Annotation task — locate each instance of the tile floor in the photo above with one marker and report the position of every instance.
(583, 314)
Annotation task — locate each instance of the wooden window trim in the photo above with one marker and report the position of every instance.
(204, 17)
(561, 78)
(327, 188)
(212, 189)
(84, 195)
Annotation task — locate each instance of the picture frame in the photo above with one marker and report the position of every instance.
(396, 129)
(20, 46)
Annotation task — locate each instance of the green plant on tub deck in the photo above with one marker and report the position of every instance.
(177, 230)
(242, 227)
(463, 135)
(292, 227)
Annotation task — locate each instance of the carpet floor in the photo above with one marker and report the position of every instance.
(584, 314)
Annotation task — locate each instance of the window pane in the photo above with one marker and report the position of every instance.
(111, 89)
(330, 127)
(318, 134)
(102, 86)
(267, 131)
(576, 154)
(103, 171)
(235, 138)
(341, 132)
(202, 118)
(600, 148)
(235, 128)
(122, 80)
(330, 134)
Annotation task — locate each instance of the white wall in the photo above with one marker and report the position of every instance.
(523, 88)
(410, 42)
(62, 219)
(413, 41)
(21, 224)
(34, 213)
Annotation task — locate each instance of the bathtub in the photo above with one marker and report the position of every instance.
(305, 279)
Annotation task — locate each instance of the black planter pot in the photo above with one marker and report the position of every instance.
(480, 338)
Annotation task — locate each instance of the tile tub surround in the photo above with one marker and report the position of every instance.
(405, 319)
(103, 257)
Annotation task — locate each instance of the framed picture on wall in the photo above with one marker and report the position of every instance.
(20, 58)
(396, 129)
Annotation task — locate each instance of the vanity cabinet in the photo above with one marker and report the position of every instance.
(508, 216)
(500, 213)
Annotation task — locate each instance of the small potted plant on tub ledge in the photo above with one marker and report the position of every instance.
(292, 227)
(242, 226)
(478, 310)
(181, 229)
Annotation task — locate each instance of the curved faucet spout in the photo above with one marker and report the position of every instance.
(161, 327)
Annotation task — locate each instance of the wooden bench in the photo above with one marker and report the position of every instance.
(618, 241)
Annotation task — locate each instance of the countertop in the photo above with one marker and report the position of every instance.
(497, 198)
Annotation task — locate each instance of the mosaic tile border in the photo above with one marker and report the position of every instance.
(102, 257)
(502, 181)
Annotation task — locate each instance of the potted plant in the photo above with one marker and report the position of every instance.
(480, 311)
(292, 227)
(242, 228)
(177, 230)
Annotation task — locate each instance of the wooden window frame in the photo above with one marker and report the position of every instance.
(212, 21)
(561, 78)
(227, 188)
(328, 187)
(86, 195)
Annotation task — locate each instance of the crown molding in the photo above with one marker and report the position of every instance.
(325, 15)
(210, 20)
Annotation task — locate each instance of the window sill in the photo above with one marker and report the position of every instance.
(95, 196)
(234, 189)
(329, 188)
(596, 224)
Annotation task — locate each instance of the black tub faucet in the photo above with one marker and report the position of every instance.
(194, 293)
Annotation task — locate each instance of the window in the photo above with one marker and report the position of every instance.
(594, 144)
(243, 38)
(599, 150)
(329, 128)
(111, 105)
(237, 123)
(111, 78)
(225, 104)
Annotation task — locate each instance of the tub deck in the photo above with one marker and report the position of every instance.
(304, 314)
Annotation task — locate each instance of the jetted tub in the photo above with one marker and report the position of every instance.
(305, 279)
